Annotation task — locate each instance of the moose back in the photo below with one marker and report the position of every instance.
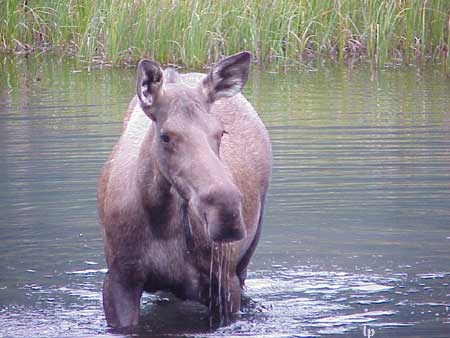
(181, 197)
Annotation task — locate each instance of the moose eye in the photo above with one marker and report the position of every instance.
(165, 138)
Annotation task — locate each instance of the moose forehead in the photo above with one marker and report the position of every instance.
(181, 98)
(183, 105)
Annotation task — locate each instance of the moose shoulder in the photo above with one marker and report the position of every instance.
(181, 197)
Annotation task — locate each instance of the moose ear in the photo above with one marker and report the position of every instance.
(149, 82)
(227, 77)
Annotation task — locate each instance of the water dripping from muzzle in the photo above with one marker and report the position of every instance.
(220, 298)
(210, 285)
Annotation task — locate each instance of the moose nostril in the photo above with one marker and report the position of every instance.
(225, 225)
(229, 216)
(221, 207)
(227, 235)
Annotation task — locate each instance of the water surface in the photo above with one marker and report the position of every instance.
(357, 226)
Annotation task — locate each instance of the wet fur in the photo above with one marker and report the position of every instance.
(150, 244)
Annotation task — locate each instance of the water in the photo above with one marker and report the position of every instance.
(357, 227)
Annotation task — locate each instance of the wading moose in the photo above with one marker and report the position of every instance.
(180, 199)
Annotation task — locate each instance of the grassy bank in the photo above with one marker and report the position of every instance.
(194, 32)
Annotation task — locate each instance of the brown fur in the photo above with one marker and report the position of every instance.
(157, 228)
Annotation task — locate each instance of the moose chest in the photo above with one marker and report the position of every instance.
(169, 260)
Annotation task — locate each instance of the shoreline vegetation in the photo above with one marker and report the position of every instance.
(196, 32)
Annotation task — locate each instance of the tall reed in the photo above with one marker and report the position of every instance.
(193, 32)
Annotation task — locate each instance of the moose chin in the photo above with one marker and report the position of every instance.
(181, 197)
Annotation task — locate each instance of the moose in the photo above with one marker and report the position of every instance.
(180, 199)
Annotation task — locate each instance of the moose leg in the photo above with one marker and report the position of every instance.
(121, 302)
(225, 303)
(241, 269)
(232, 299)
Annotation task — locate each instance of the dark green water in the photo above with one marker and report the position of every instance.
(357, 229)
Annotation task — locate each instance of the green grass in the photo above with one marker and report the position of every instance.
(194, 32)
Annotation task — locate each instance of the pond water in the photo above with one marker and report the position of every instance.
(356, 238)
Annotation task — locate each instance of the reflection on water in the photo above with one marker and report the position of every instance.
(357, 226)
